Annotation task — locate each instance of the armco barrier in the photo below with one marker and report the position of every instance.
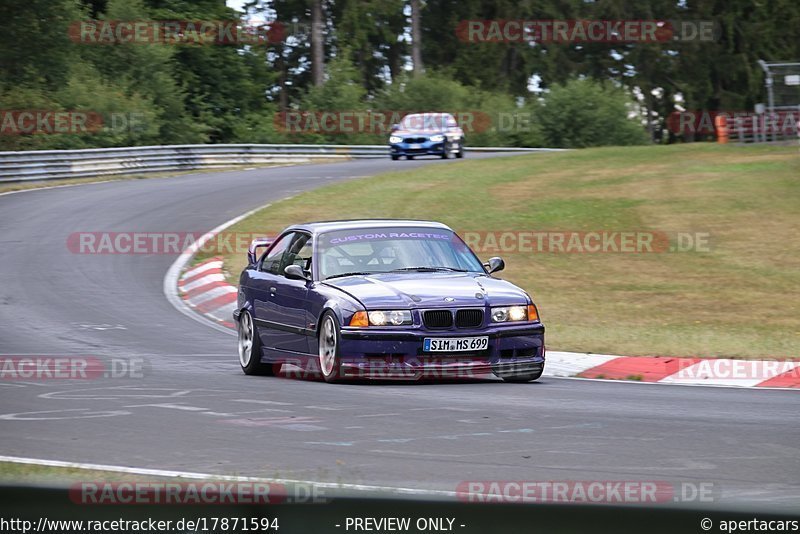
(53, 164)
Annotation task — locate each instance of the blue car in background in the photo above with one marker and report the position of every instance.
(426, 134)
(394, 299)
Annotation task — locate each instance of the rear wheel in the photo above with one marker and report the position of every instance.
(328, 341)
(460, 153)
(250, 349)
(409, 157)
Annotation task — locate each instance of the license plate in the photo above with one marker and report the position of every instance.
(454, 344)
(414, 145)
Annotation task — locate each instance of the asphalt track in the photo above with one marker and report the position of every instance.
(193, 410)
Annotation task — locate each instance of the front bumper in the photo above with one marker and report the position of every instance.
(417, 149)
(398, 354)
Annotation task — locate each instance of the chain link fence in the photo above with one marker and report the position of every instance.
(779, 118)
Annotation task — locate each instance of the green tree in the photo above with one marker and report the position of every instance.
(35, 45)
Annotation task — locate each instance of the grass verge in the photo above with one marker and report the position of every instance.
(735, 297)
(12, 472)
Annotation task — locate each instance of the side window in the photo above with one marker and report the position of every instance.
(299, 252)
(271, 262)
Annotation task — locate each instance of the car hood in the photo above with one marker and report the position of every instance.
(429, 290)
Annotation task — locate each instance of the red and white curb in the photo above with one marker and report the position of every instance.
(198, 305)
(672, 370)
(204, 289)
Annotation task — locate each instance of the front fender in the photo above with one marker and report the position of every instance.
(343, 311)
(242, 303)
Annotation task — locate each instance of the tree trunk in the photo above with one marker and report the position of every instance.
(648, 112)
(416, 39)
(317, 53)
(283, 97)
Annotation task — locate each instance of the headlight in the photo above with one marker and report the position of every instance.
(506, 314)
(389, 317)
(437, 138)
(394, 139)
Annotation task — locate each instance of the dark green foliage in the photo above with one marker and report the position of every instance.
(588, 93)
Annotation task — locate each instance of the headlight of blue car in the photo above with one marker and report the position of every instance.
(507, 314)
(437, 138)
(382, 318)
(394, 139)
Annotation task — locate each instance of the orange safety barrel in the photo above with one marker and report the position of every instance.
(721, 125)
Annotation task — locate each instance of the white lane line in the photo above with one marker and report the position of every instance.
(255, 401)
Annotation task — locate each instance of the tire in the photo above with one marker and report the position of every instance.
(460, 153)
(250, 349)
(395, 158)
(409, 158)
(446, 151)
(328, 343)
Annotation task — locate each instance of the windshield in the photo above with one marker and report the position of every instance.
(427, 121)
(382, 250)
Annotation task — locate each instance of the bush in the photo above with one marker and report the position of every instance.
(584, 113)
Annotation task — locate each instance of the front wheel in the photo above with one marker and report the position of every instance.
(395, 157)
(250, 349)
(328, 341)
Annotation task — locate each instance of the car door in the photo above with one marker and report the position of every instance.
(285, 315)
(263, 286)
(290, 299)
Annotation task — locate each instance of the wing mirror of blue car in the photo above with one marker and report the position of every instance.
(295, 272)
(494, 265)
(394, 128)
(255, 244)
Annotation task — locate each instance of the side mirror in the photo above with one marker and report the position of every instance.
(394, 128)
(495, 264)
(255, 244)
(295, 272)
